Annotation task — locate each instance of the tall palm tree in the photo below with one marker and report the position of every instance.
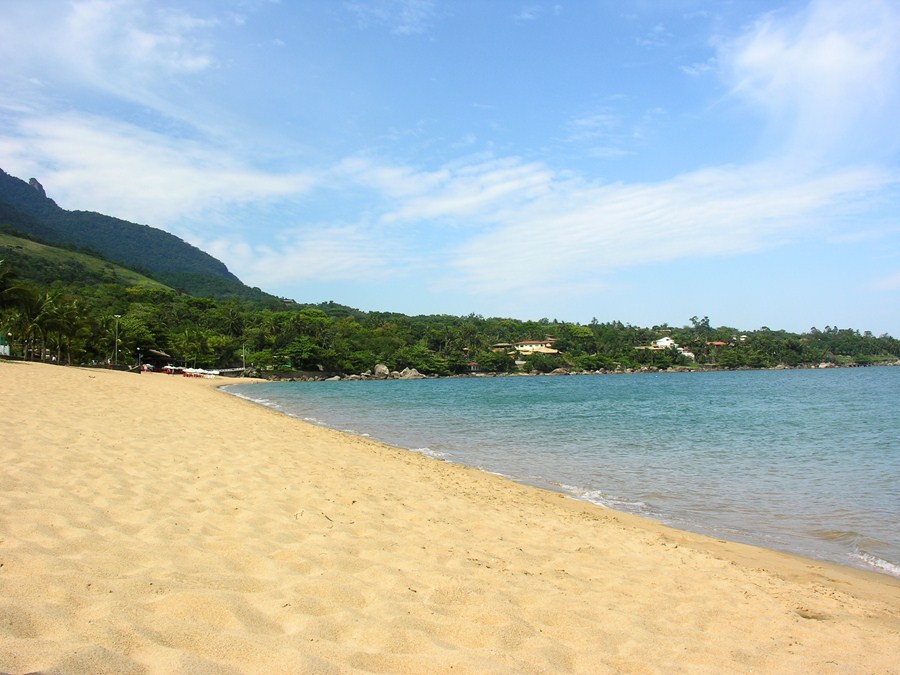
(31, 319)
(67, 321)
(191, 344)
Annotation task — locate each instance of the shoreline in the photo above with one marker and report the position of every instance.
(750, 530)
(153, 524)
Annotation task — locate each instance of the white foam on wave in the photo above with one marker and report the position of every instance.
(878, 563)
(351, 432)
(608, 501)
(428, 452)
(259, 401)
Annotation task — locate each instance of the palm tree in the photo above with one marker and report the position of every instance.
(191, 343)
(69, 320)
(11, 293)
(32, 318)
(231, 319)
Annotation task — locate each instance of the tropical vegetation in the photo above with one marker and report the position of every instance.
(79, 323)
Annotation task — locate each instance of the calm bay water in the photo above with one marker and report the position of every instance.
(805, 461)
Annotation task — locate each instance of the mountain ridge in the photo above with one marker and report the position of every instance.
(154, 252)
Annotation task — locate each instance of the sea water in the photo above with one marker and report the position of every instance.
(804, 461)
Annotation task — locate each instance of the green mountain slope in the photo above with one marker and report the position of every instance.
(158, 254)
(43, 264)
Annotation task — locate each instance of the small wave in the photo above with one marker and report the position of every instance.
(268, 403)
(252, 399)
(263, 401)
(428, 452)
(845, 536)
(610, 502)
(878, 563)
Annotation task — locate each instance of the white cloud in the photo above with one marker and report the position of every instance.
(318, 254)
(480, 192)
(122, 47)
(575, 231)
(515, 222)
(391, 181)
(828, 77)
(93, 163)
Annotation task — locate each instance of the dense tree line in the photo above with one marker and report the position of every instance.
(77, 324)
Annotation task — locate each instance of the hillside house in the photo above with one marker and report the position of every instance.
(668, 343)
(536, 346)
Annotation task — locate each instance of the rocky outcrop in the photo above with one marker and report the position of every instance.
(382, 372)
(37, 186)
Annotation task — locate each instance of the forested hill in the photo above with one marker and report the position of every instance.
(156, 253)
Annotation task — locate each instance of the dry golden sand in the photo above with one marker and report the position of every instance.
(151, 524)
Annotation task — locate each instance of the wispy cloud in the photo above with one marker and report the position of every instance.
(700, 67)
(528, 13)
(402, 17)
(474, 193)
(657, 36)
(94, 163)
(578, 231)
(513, 222)
(607, 133)
(121, 47)
(603, 124)
(827, 77)
(321, 253)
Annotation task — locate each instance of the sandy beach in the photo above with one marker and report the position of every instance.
(152, 524)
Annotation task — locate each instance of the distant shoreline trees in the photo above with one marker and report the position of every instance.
(75, 324)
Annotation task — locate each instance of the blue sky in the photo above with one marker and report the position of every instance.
(632, 160)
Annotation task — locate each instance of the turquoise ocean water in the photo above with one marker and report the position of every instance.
(804, 461)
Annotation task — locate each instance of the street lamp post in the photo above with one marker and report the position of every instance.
(116, 361)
